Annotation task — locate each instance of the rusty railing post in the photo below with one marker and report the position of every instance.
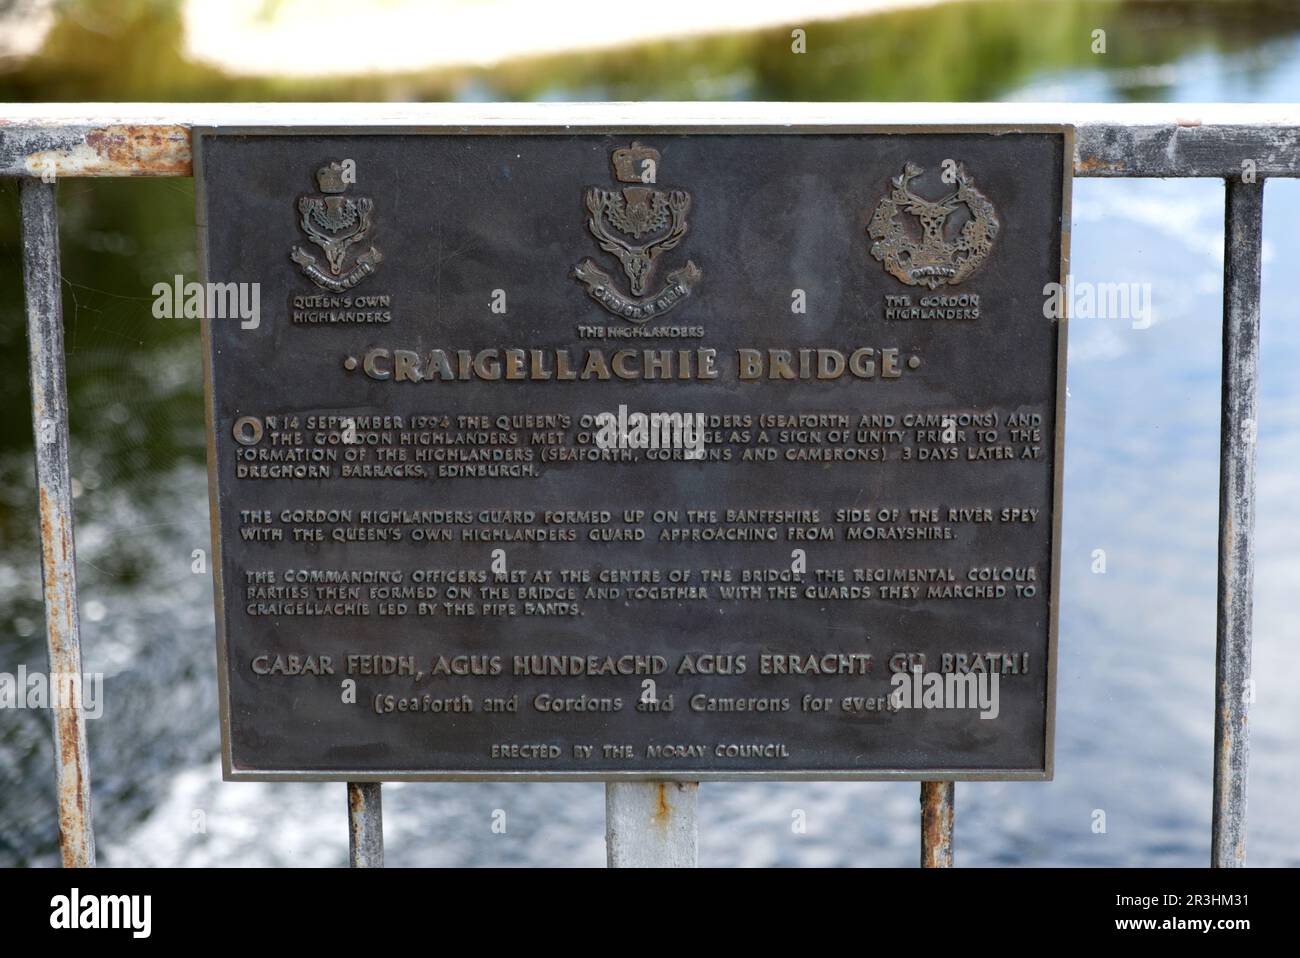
(40, 238)
(365, 825)
(651, 824)
(937, 809)
(1243, 238)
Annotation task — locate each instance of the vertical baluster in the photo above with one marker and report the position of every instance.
(937, 809)
(1241, 284)
(41, 276)
(651, 824)
(365, 825)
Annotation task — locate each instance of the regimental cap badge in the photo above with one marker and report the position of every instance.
(636, 224)
(925, 250)
(341, 227)
(330, 178)
(636, 164)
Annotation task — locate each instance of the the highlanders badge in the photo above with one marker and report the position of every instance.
(636, 224)
(336, 223)
(932, 259)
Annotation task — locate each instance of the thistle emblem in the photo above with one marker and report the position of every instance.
(933, 260)
(636, 224)
(335, 223)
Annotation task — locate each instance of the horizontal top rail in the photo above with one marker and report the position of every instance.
(1113, 140)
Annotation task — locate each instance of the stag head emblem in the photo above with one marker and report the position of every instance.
(655, 218)
(636, 224)
(931, 259)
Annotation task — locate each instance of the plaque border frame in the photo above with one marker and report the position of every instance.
(645, 128)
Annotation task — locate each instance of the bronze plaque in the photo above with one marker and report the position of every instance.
(689, 453)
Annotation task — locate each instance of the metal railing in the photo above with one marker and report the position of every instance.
(1243, 145)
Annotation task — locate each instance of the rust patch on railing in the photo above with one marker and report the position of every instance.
(357, 801)
(118, 150)
(73, 792)
(937, 800)
(1094, 164)
(663, 810)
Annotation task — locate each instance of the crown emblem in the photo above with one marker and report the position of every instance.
(932, 259)
(336, 224)
(636, 164)
(330, 178)
(636, 224)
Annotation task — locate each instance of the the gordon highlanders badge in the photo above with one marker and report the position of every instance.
(636, 224)
(336, 223)
(933, 259)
